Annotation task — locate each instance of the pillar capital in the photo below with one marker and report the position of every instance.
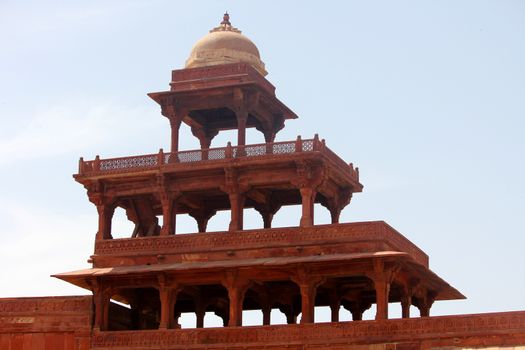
(237, 287)
(308, 284)
(204, 135)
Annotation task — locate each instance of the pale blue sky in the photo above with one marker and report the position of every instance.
(426, 97)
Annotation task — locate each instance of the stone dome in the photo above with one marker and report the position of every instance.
(223, 45)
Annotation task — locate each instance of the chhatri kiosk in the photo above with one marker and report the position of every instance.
(142, 284)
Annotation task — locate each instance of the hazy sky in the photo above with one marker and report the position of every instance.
(426, 97)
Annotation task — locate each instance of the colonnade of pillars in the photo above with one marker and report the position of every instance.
(236, 290)
(170, 203)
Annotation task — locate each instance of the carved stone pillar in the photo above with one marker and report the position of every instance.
(266, 311)
(336, 204)
(237, 195)
(168, 298)
(425, 302)
(175, 128)
(236, 289)
(200, 312)
(205, 137)
(237, 209)
(406, 302)
(105, 209)
(307, 200)
(357, 307)
(267, 211)
(308, 287)
(175, 114)
(269, 136)
(382, 278)
(101, 300)
(335, 305)
(382, 287)
(202, 216)
(169, 212)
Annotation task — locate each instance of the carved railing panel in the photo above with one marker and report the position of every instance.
(494, 328)
(145, 161)
(154, 161)
(253, 239)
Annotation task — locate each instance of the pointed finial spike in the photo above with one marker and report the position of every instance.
(226, 19)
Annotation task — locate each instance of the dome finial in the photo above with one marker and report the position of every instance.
(225, 25)
(226, 19)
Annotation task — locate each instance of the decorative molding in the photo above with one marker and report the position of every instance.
(355, 332)
(253, 239)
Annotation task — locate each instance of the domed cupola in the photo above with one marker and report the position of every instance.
(223, 45)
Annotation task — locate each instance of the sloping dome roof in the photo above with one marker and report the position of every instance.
(222, 45)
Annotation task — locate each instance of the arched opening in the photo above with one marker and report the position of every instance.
(252, 219)
(211, 320)
(277, 317)
(355, 294)
(121, 226)
(185, 224)
(202, 306)
(287, 216)
(134, 309)
(219, 222)
(285, 296)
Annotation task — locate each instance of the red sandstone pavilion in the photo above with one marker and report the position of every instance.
(159, 274)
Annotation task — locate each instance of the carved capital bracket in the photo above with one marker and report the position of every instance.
(204, 135)
(237, 287)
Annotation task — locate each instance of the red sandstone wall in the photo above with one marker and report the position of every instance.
(54, 323)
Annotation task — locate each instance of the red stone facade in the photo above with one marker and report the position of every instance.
(142, 284)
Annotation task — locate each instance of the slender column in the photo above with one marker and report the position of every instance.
(205, 137)
(202, 216)
(307, 302)
(357, 314)
(382, 287)
(237, 206)
(307, 198)
(175, 127)
(334, 214)
(168, 298)
(105, 215)
(236, 294)
(236, 289)
(200, 312)
(269, 136)
(267, 211)
(169, 211)
(308, 287)
(175, 114)
(101, 299)
(335, 305)
(242, 117)
(166, 313)
(266, 311)
(406, 301)
(202, 223)
(425, 303)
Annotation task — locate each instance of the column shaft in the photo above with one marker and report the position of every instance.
(307, 198)
(307, 302)
(236, 300)
(237, 206)
(382, 288)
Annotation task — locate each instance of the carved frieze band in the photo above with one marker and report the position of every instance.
(258, 238)
(348, 332)
(45, 305)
